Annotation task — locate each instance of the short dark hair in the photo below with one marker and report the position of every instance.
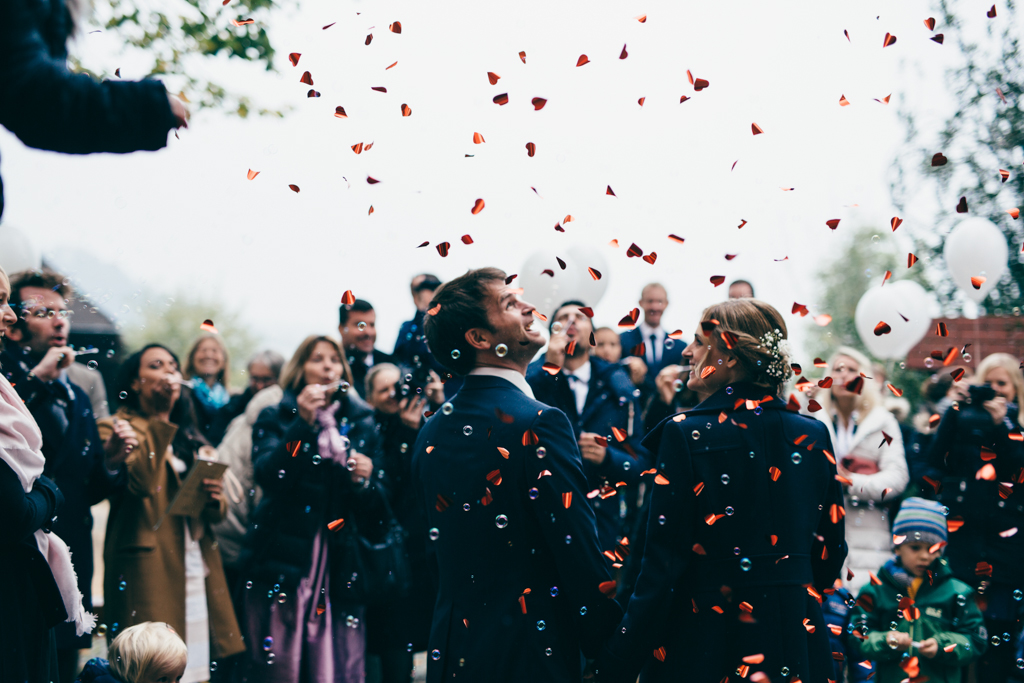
(459, 305)
(743, 282)
(431, 282)
(571, 302)
(43, 279)
(360, 306)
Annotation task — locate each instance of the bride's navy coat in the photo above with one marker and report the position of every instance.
(745, 524)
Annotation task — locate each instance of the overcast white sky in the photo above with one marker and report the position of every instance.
(186, 219)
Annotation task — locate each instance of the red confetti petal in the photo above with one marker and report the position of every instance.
(339, 112)
(538, 103)
(493, 77)
(294, 58)
(501, 99)
(582, 60)
(478, 206)
(843, 102)
(294, 188)
(307, 78)
(395, 27)
(716, 280)
(348, 298)
(608, 190)
(594, 273)
(443, 248)
(252, 174)
(832, 223)
(895, 222)
(930, 23)
(531, 149)
(335, 525)
(406, 110)
(888, 40)
(756, 129)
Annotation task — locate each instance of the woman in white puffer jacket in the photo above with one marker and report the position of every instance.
(869, 454)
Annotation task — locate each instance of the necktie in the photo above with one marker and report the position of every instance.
(579, 396)
(653, 355)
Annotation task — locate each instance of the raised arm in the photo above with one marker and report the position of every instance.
(48, 107)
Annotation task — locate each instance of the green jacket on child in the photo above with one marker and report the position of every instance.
(948, 614)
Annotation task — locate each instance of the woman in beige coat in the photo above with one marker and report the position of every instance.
(161, 567)
(869, 455)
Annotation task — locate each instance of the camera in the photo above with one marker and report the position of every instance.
(974, 422)
(413, 383)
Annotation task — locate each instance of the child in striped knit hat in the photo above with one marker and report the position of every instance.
(914, 618)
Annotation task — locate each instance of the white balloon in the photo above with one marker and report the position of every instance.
(17, 252)
(890, 303)
(546, 292)
(976, 248)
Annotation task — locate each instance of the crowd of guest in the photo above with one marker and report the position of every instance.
(303, 554)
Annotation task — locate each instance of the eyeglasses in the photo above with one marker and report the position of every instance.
(50, 313)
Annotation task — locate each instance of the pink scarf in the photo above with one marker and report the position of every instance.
(331, 444)
(21, 445)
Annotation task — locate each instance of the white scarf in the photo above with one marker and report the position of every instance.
(21, 445)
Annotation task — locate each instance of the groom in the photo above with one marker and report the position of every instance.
(524, 588)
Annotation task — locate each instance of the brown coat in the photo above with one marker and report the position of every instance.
(150, 560)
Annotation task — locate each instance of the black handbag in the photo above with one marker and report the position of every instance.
(375, 572)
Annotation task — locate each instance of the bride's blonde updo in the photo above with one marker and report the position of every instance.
(755, 333)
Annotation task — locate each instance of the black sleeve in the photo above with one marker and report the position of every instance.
(274, 468)
(563, 496)
(666, 556)
(102, 483)
(25, 513)
(48, 107)
(829, 549)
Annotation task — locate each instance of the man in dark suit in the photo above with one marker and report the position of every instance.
(358, 327)
(597, 397)
(650, 341)
(524, 588)
(35, 359)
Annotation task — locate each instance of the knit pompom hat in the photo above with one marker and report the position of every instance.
(920, 520)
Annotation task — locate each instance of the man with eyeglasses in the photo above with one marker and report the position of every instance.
(35, 359)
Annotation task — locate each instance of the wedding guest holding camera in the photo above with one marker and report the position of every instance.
(975, 450)
(745, 530)
(313, 456)
(161, 566)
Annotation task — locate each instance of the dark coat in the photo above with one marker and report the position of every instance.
(360, 370)
(672, 354)
(33, 605)
(74, 461)
(406, 619)
(213, 422)
(610, 404)
(302, 493)
(956, 453)
(722, 533)
(520, 567)
(412, 344)
(97, 670)
(50, 108)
